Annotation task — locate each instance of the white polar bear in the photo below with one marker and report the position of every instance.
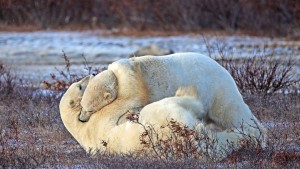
(181, 108)
(136, 82)
(89, 135)
(101, 132)
(69, 111)
(184, 108)
(143, 80)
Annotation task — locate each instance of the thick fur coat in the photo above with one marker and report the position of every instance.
(144, 80)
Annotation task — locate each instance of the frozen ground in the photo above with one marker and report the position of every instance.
(35, 55)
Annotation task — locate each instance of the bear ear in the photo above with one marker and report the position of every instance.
(107, 96)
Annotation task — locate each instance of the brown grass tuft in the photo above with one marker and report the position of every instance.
(65, 77)
(32, 134)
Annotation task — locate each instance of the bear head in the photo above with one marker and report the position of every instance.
(70, 102)
(101, 91)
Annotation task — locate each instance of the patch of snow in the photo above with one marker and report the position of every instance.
(34, 55)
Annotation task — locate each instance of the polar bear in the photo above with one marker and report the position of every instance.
(70, 109)
(136, 82)
(140, 81)
(92, 135)
(102, 133)
(184, 108)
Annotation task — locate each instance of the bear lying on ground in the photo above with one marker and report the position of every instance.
(125, 137)
(136, 82)
(91, 134)
(183, 109)
(186, 110)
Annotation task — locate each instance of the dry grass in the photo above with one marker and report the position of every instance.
(33, 136)
(272, 17)
(62, 79)
(262, 74)
(259, 72)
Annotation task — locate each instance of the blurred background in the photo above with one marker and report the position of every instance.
(258, 17)
(35, 34)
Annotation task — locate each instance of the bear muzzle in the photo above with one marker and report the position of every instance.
(84, 116)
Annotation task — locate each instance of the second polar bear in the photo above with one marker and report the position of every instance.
(136, 82)
(185, 110)
(102, 127)
(182, 108)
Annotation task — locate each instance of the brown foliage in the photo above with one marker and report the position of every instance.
(262, 75)
(258, 73)
(256, 16)
(282, 157)
(65, 77)
(7, 79)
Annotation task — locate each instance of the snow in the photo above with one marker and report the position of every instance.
(34, 55)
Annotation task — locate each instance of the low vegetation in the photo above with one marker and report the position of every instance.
(258, 73)
(62, 79)
(33, 136)
(271, 17)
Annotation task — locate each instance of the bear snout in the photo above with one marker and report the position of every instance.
(84, 116)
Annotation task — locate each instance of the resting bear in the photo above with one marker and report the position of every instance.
(184, 108)
(125, 137)
(102, 128)
(143, 80)
(136, 82)
(89, 135)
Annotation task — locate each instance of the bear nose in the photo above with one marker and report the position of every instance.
(83, 121)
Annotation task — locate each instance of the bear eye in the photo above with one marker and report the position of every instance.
(80, 87)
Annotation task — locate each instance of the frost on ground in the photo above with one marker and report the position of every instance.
(33, 136)
(34, 55)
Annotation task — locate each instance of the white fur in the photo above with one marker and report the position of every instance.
(148, 79)
(90, 134)
(183, 108)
